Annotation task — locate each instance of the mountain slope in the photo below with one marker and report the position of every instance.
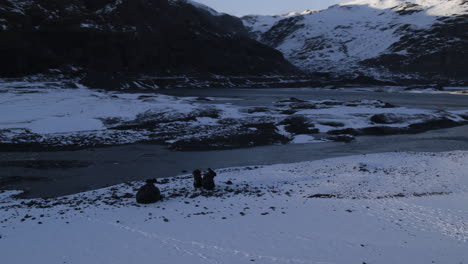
(136, 36)
(374, 36)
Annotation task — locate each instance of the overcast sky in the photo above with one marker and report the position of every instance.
(266, 7)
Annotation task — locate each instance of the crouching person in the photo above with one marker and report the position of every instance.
(197, 179)
(148, 193)
(208, 179)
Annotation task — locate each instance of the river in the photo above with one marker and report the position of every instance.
(114, 165)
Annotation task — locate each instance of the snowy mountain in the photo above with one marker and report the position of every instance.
(165, 37)
(377, 37)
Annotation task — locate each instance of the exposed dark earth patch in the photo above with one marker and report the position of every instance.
(250, 135)
(299, 125)
(411, 129)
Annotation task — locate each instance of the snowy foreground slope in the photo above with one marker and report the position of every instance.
(380, 208)
(372, 36)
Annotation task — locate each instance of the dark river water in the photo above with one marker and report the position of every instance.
(114, 165)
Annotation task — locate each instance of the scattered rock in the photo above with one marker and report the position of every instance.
(288, 112)
(433, 124)
(346, 131)
(387, 118)
(298, 125)
(332, 124)
(322, 196)
(292, 100)
(257, 110)
(342, 138)
(303, 106)
(381, 130)
(249, 135)
(203, 99)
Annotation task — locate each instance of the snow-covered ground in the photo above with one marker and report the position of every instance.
(43, 110)
(379, 208)
(56, 114)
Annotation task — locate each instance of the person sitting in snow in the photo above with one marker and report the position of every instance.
(208, 179)
(197, 179)
(148, 193)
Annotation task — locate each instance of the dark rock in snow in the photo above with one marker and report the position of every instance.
(299, 125)
(323, 196)
(292, 100)
(302, 106)
(288, 112)
(203, 99)
(250, 135)
(381, 130)
(332, 124)
(433, 124)
(387, 118)
(257, 110)
(346, 131)
(342, 138)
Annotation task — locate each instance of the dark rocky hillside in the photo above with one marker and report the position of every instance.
(131, 36)
(440, 51)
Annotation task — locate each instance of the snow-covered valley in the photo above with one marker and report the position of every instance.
(337, 135)
(60, 115)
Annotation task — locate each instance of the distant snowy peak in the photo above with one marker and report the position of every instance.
(258, 24)
(305, 12)
(432, 7)
(346, 37)
(448, 8)
(378, 4)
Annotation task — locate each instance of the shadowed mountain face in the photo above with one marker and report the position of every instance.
(132, 36)
(426, 38)
(441, 50)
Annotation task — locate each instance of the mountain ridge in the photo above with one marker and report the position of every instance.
(380, 38)
(158, 37)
